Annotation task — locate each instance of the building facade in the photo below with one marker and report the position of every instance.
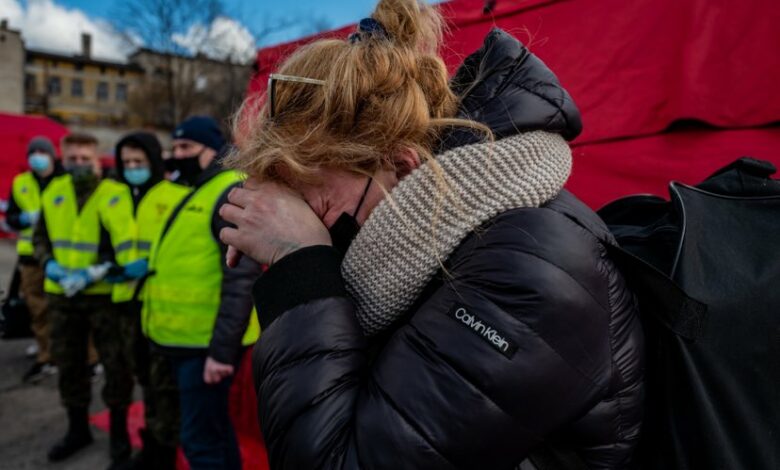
(11, 70)
(80, 89)
(152, 90)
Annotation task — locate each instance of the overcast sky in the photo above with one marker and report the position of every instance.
(56, 25)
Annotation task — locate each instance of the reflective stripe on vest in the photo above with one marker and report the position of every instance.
(152, 212)
(27, 194)
(182, 298)
(75, 234)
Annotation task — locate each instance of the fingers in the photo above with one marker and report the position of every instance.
(240, 197)
(215, 374)
(232, 237)
(231, 213)
(233, 256)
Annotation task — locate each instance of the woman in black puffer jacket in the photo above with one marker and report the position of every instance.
(475, 320)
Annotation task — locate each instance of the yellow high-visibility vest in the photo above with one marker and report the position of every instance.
(75, 234)
(181, 300)
(152, 213)
(27, 194)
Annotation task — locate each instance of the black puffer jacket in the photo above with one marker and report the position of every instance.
(435, 394)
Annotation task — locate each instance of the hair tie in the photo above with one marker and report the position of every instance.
(369, 27)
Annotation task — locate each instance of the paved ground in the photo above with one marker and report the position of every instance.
(31, 418)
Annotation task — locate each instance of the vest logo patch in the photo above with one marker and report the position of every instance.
(59, 200)
(496, 339)
(112, 202)
(194, 208)
(161, 208)
(24, 189)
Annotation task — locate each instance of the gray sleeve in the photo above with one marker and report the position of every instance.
(236, 302)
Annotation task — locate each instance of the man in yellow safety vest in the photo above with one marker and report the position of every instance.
(24, 208)
(84, 233)
(140, 166)
(196, 310)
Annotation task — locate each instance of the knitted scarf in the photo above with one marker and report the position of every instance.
(413, 231)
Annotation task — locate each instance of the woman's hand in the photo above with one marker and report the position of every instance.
(271, 222)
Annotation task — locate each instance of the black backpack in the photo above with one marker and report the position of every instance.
(14, 316)
(705, 267)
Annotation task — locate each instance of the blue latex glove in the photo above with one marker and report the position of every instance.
(137, 269)
(54, 271)
(75, 282)
(28, 219)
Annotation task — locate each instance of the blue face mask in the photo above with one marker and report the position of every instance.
(39, 162)
(137, 176)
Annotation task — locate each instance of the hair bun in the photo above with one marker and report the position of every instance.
(410, 23)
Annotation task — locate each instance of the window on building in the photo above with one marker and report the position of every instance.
(30, 84)
(102, 91)
(54, 86)
(79, 66)
(121, 92)
(121, 72)
(201, 83)
(76, 87)
(102, 70)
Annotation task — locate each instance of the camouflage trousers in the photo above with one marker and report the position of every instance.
(161, 395)
(112, 329)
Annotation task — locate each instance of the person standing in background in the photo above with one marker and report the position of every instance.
(85, 226)
(196, 310)
(24, 209)
(139, 164)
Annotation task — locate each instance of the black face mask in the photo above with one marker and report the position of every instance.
(170, 165)
(346, 228)
(189, 168)
(83, 177)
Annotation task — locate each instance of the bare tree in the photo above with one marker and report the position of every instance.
(187, 71)
(155, 25)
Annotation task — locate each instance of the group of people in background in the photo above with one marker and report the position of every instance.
(134, 263)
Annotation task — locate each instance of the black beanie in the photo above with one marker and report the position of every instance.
(201, 129)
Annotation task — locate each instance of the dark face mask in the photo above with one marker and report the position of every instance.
(83, 176)
(189, 168)
(346, 228)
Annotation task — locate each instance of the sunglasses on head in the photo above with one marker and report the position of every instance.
(275, 77)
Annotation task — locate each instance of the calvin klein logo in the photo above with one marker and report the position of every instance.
(495, 338)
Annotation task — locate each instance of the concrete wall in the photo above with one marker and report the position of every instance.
(11, 71)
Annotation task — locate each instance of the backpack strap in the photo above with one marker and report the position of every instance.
(660, 297)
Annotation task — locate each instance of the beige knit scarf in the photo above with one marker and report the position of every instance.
(412, 232)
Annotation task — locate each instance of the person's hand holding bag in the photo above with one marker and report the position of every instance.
(271, 222)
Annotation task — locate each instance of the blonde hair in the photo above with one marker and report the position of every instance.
(380, 94)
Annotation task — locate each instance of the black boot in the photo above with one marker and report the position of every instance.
(144, 459)
(153, 455)
(78, 436)
(119, 438)
(166, 457)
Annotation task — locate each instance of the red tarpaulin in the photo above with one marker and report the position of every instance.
(15, 133)
(633, 68)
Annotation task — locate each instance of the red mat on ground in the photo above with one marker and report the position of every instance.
(243, 412)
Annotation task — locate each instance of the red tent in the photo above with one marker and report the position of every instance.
(635, 68)
(15, 133)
